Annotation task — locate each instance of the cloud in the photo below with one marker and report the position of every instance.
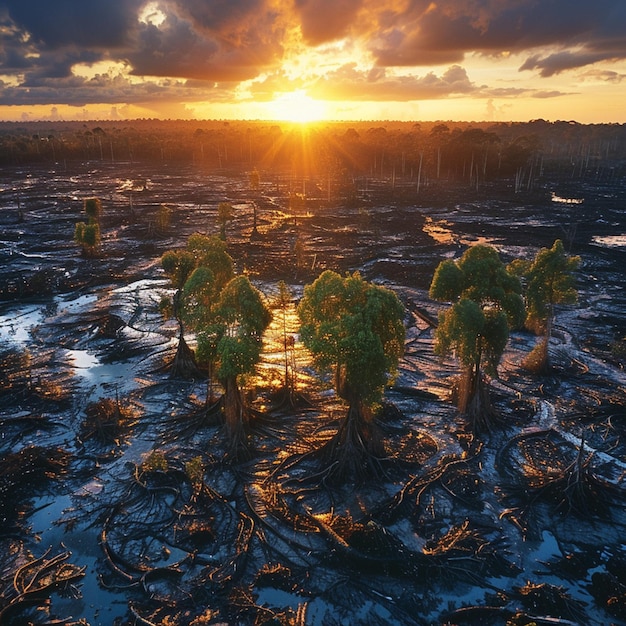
(202, 49)
(445, 31)
(326, 20)
(608, 76)
(87, 23)
(350, 83)
(558, 62)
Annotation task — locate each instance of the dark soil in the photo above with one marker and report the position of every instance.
(120, 505)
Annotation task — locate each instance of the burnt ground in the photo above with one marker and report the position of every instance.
(118, 505)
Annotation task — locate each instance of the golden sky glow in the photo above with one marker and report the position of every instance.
(300, 60)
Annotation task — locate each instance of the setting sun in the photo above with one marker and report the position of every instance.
(297, 106)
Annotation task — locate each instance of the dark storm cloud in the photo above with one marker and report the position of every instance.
(184, 46)
(219, 15)
(86, 23)
(326, 20)
(445, 31)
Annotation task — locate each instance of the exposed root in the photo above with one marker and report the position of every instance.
(37, 579)
(184, 365)
(541, 466)
(356, 451)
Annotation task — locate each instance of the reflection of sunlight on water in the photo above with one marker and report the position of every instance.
(88, 367)
(76, 303)
(562, 200)
(96, 603)
(610, 241)
(439, 230)
(82, 360)
(271, 370)
(15, 327)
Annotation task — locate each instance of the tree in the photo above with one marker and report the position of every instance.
(178, 265)
(235, 336)
(93, 208)
(486, 302)
(550, 280)
(87, 235)
(195, 291)
(255, 180)
(282, 302)
(355, 330)
(163, 219)
(225, 213)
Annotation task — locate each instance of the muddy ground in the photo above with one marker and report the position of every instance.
(117, 505)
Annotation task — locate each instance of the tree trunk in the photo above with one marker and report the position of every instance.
(474, 401)
(184, 365)
(357, 447)
(236, 420)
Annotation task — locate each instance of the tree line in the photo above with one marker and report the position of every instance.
(396, 151)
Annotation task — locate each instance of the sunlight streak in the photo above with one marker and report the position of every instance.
(297, 106)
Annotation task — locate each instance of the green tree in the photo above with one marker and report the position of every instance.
(87, 236)
(235, 336)
(211, 252)
(93, 209)
(198, 273)
(225, 213)
(486, 301)
(163, 219)
(550, 280)
(283, 302)
(200, 294)
(355, 330)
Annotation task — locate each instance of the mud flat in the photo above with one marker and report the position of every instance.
(117, 503)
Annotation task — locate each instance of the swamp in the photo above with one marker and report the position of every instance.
(120, 503)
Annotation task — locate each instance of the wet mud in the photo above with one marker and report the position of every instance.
(118, 501)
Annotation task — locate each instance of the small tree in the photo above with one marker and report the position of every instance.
(255, 180)
(93, 209)
(198, 299)
(225, 213)
(236, 336)
(550, 280)
(355, 330)
(192, 301)
(178, 265)
(87, 235)
(297, 205)
(282, 302)
(163, 219)
(486, 301)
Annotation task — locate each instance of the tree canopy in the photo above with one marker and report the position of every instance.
(486, 301)
(243, 316)
(550, 280)
(354, 328)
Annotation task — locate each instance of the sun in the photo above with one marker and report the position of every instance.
(298, 107)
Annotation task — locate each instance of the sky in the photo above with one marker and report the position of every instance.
(302, 60)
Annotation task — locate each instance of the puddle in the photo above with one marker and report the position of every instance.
(610, 241)
(16, 325)
(104, 378)
(97, 605)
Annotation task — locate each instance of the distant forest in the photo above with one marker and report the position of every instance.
(421, 153)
